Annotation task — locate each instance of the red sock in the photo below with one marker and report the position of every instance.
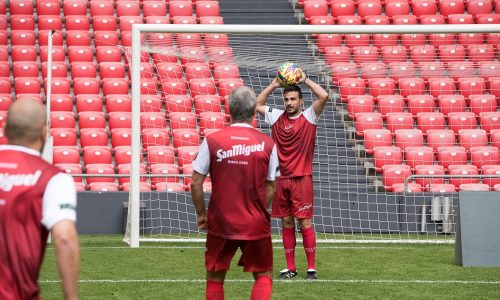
(262, 288)
(309, 238)
(289, 243)
(215, 290)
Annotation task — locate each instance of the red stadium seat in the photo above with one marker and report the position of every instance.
(365, 54)
(482, 103)
(486, 155)
(86, 85)
(222, 71)
(442, 39)
(186, 155)
(153, 120)
(104, 23)
(448, 156)
(115, 86)
(472, 39)
(77, 23)
(404, 138)
(376, 138)
(149, 86)
(411, 86)
(475, 187)
(103, 187)
(5, 85)
(437, 138)
(74, 7)
(93, 137)
(395, 8)
(351, 86)
(3, 117)
(180, 8)
(441, 86)
(481, 52)
(429, 170)
(207, 103)
(390, 104)
(124, 169)
(143, 186)
(420, 103)
(59, 69)
(404, 20)
(388, 155)
(475, 7)
(21, 7)
(62, 119)
(100, 169)
(460, 19)
(63, 136)
(170, 170)
(220, 55)
(400, 70)
(108, 54)
(72, 169)
(22, 22)
(80, 53)
(451, 103)
(97, 155)
(197, 71)
(487, 69)
(121, 137)
(91, 119)
(376, 73)
(393, 174)
(185, 137)
(5, 101)
(83, 69)
(168, 70)
(410, 188)
(466, 170)
(423, 7)
(422, 53)
(494, 86)
(369, 8)
(315, 8)
(226, 86)
(429, 70)
(202, 86)
(489, 121)
(151, 103)
(101, 8)
(160, 155)
(178, 103)
(111, 70)
(207, 9)
(323, 20)
(461, 120)
(441, 188)
(448, 7)
(432, 19)
(342, 8)
(88, 102)
(349, 20)
(66, 155)
(393, 54)
(491, 170)
(337, 54)
(172, 86)
(24, 53)
(183, 20)
(154, 8)
(457, 69)
(487, 18)
(343, 70)
(58, 102)
(23, 85)
(59, 85)
(49, 22)
(468, 138)
(211, 20)
(415, 156)
(381, 40)
(22, 37)
(128, 8)
(170, 187)
(364, 121)
(216, 40)
(495, 137)
(353, 40)
(155, 137)
(360, 104)
(212, 120)
(126, 22)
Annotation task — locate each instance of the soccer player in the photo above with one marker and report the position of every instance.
(294, 132)
(242, 162)
(35, 198)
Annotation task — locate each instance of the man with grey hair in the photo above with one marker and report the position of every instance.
(35, 198)
(242, 162)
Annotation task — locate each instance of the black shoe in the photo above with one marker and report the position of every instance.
(286, 274)
(311, 274)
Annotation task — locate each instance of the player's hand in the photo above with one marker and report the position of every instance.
(302, 78)
(201, 220)
(275, 83)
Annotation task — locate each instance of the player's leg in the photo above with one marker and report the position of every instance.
(282, 209)
(303, 198)
(257, 257)
(218, 255)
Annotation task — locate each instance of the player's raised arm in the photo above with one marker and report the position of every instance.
(67, 256)
(320, 93)
(262, 97)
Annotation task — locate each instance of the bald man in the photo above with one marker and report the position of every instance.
(35, 198)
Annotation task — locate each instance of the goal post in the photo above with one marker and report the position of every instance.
(351, 204)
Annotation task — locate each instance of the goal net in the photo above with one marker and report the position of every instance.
(412, 119)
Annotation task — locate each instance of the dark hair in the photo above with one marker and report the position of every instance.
(293, 88)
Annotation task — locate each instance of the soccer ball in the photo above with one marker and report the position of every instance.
(288, 74)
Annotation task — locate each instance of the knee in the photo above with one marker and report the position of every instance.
(305, 223)
(288, 222)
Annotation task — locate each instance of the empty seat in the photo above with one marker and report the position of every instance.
(451, 103)
(393, 54)
(207, 9)
(415, 156)
(21, 7)
(227, 85)
(365, 54)
(441, 86)
(168, 173)
(121, 137)
(77, 23)
(487, 18)
(172, 86)
(351, 86)
(420, 104)
(86, 85)
(77, 38)
(91, 119)
(22, 69)
(24, 53)
(22, 37)
(22, 22)
(376, 138)
(154, 8)
(202, 86)
(97, 155)
(186, 155)
(337, 54)
(153, 120)
(124, 169)
(364, 121)
(103, 187)
(489, 121)
(394, 8)
(93, 137)
(207, 103)
(88, 102)
(457, 69)
(460, 19)
(80, 53)
(353, 40)
(428, 70)
(115, 86)
(151, 103)
(72, 169)
(486, 155)
(212, 120)
(482, 103)
(411, 86)
(59, 85)
(349, 20)
(360, 104)
(143, 186)
(178, 103)
(480, 52)
(468, 138)
(461, 120)
(437, 138)
(443, 39)
(323, 20)
(380, 85)
(197, 71)
(422, 53)
(74, 7)
(62, 119)
(128, 8)
(487, 69)
(472, 39)
(185, 137)
(104, 23)
(111, 70)
(126, 22)
(83, 69)
(475, 7)
(23, 85)
(155, 137)
(433, 171)
(211, 20)
(343, 70)
(461, 173)
(399, 70)
(101, 8)
(388, 155)
(183, 20)
(377, 20)
(474, 187)
(393, 174)
(454, 155)
(395, 121)
(315, 8)
(108, 54)
(390, 103)
(404, 138)
(222, 71)
(381, 40)
(160, 155)
(180, 8)
(66, 155)
(63, 136)
(100, 169)
(49, 22)
(5, 101)
(410, 188)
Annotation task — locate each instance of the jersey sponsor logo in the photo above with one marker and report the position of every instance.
(9, 181)
(239, 149)
(305, 207)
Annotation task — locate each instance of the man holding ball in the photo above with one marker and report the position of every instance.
(294, 132)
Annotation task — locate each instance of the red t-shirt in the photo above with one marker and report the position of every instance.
(295, 139)
(240, 160)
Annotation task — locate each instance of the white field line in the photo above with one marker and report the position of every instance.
(339, 281)
(203, 247)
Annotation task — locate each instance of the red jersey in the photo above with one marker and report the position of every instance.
(23, 180)
(295, 139)
(240, 159)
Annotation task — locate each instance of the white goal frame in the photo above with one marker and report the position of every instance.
(138, 29)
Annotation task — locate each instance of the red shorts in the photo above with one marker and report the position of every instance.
(256, 255)
(294, 197)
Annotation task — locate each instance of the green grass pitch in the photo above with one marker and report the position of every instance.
(111, 270)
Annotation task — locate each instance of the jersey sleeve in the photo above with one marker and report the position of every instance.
(273, 165)
(202, 162)
(271, 114)
(311, 115)
(59, 200)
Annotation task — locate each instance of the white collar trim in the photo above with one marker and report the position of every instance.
(20, 149)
